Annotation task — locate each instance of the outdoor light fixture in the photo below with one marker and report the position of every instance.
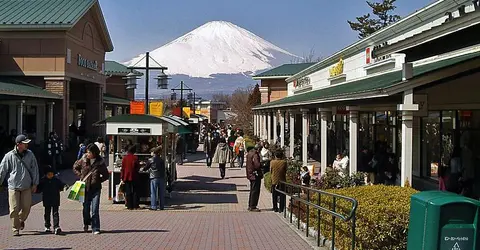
(131, 80)
(173, 96)
(162, 80)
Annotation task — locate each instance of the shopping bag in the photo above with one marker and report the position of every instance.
(120, 193)
(77, 192)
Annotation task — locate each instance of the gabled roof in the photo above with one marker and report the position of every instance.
(49, 15)
(117, 69)
(111, 99)
(375, 86)
(283, 71)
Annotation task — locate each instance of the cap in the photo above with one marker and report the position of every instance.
(22, 139)
(48, 169)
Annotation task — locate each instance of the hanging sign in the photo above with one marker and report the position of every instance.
(134, 130)
(137, 107)
(186, 112)
(156, 108)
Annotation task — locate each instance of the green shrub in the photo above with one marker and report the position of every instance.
(267, 181)
(249, 143)
(333, 180)
(381, 218)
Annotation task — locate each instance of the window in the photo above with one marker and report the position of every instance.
(431, 152)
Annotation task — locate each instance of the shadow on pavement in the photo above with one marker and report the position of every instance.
(121, 231)
(50, 248)
(202, 198)
(180, 207)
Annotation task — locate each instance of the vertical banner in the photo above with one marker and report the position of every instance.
(137, 107)
(176, 111)
(156, 108)
(186, 112)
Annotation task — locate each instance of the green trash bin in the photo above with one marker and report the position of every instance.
(443, 221)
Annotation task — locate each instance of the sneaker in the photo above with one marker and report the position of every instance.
(96, 232)
(254, 210)
(85, 228)
(58, 231)
(47, 230)
(16, 233)
(22, 225)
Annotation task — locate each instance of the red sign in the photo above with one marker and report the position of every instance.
(137, 107)
(176, 111)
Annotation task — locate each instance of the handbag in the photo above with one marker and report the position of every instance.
(77, 191)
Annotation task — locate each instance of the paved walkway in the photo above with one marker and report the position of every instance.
(205, 212)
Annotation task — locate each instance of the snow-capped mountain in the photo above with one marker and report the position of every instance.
(217, 49)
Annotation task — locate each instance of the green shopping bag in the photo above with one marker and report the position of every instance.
(77, 192)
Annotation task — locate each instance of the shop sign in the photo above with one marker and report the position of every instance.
(137, 107)
(371, 55)
(156, 108)
(337, 69)
(134, 130)
(89, 64)
(302, 82)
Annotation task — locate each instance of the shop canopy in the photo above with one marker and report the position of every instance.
(110, 99)
(12, 87)
(140, 121)
(381, 85)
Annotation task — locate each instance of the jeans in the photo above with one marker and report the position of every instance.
(92, 202)
(254, 193)
(209, 160)
(221, 166)
(276, 195)
(240, 158)
(56, 217)
(157, 193)
(131, 199)
(179, 158)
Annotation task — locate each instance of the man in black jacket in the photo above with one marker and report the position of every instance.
(51, 186)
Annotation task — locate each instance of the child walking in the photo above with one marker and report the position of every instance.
(51, 186)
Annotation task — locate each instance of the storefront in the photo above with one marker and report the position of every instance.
(64, 57)
(411, 89)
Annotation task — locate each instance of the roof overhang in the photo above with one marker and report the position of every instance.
(455, 25)
(420, 17)
(269, 77)
(399, 87)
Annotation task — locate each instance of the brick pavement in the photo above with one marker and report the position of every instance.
(205, 212)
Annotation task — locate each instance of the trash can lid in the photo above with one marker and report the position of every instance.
(440, 198)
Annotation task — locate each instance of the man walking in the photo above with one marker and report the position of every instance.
(254, 175)
(20, 167)
(179, 149)
(278, 170)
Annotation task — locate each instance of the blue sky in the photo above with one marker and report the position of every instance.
(296, 26)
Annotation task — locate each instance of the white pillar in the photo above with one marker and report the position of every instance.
(292, 130)
(353, 148)
(282, 128)
(20, 106)
(50, 116)
(254, 124)
(257, 125)
(304, 136)
(264, 126)
(407, 109)
(275, 121)
(269, 127)
(325, 115)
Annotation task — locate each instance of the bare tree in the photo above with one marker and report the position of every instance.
(242, 106)
(307, 57)
(222, 97)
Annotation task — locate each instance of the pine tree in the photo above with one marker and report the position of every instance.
(365, 25)
(255, 98)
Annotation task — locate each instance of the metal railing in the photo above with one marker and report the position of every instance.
(295, 191)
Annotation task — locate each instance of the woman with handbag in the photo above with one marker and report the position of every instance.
(92, 170)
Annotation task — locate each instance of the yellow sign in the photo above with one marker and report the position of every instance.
(156, 108)
(186, 112)
(337, 69)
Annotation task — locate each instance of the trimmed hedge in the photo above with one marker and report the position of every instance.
(381, 219)
(267, 181)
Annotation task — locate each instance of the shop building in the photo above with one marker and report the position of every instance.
(410, 86)
(272, 82)
(58, 49)
(117, 97)
(210, 110)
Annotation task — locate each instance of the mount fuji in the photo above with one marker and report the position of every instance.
(218, 56)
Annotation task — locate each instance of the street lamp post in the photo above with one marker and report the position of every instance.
(181, 96)
(162, 78)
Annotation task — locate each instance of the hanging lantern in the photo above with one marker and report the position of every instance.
(162, 80)
(173, 96)
(131, 81)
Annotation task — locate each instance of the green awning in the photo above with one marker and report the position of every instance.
(12, 87)
(110, 99)
(184, 130)
(376, 85)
